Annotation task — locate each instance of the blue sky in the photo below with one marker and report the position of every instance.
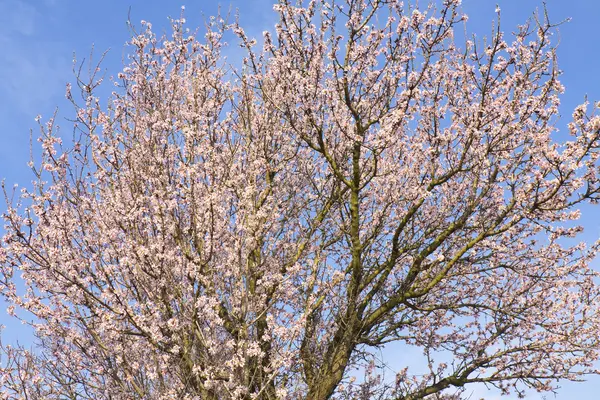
(38, 39)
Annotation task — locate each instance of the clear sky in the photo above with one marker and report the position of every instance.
(39, 37)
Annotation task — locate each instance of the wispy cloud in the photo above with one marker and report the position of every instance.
(33, 69)
(17, 16)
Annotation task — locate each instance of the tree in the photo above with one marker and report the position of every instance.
(259, 232)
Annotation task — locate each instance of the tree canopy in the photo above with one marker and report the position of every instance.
(365, 176)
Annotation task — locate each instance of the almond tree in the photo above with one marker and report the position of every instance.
(365, 177)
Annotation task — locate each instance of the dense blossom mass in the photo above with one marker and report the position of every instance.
(365, 176)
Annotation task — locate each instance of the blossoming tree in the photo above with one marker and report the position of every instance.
(365, 177)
